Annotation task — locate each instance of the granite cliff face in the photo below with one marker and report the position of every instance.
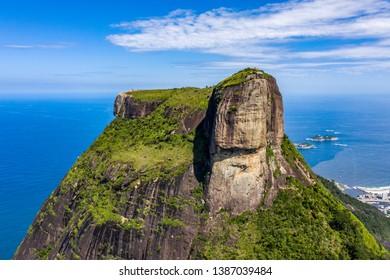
(244, 121)
(200, 174)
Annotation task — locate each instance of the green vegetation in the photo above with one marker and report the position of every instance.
(153, 143)
(196, 98)
(277, 172)
(303, 223)
(239, 77)
(149, 95)
(232, 109)
(172, 222)
(44, 253)
(137, 224)
(293, 157)
(132, 153)
(269, 154)
(272, 162)
(128, 181)
(373, 219)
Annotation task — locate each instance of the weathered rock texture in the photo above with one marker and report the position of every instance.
(154, 239)
(248, 115)
(245, 127)
(188, 118)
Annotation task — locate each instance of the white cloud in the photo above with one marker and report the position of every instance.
(271, 33)
(373, 51)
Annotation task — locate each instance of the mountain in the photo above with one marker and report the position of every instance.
(196, 173)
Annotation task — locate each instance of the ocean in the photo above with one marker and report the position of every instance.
(41, 139)
(39, 142)
(360, 156)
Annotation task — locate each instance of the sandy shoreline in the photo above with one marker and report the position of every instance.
(377, 190)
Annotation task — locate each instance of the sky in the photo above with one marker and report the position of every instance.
(100, 48)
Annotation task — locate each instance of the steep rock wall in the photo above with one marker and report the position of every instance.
(245, 127)
(157, 222)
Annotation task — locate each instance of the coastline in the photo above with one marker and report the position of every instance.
(378, 197)
(376, 190)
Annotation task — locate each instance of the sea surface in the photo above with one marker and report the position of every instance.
(39, 142)
(360, 156)
(41, 139)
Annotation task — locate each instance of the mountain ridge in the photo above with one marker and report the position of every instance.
(196, 173)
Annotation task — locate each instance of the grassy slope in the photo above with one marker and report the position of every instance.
(130, 151)
(196, 98)
(153, 142)
(239, 77)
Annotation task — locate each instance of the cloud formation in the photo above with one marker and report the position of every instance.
(294, 30)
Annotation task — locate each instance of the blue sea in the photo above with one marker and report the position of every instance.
(39, 142)
(41, 139)
(361, 123)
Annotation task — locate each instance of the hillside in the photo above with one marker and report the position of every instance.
(374, 220)
(196, 174)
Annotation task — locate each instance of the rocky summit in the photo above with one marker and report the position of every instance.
(245, 130)
(196, 173)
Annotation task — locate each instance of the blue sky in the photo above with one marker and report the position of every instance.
(104, 47)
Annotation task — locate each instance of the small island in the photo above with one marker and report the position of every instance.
(320, 138)
(304, 146)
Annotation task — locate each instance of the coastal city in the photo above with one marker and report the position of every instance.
(378, 197)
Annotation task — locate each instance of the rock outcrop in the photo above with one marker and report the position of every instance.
(247, 115)
(195, 173)
(245, 119)
(126, 106)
